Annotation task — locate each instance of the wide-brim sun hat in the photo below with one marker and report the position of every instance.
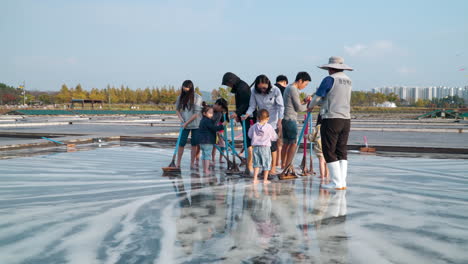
(336, 62)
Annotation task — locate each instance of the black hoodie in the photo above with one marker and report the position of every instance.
(281, 87)
(240, 89)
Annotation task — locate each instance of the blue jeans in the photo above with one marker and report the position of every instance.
(262, 157)
(206, 151)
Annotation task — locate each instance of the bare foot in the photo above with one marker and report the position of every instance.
(266, 181)
(255, 182)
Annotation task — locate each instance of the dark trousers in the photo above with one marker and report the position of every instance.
(335, 133)
(247, 127)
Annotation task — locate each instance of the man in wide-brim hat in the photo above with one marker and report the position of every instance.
(334, 96)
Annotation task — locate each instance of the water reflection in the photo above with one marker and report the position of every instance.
(221, 219)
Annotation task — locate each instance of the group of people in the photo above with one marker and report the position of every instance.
(269, 113)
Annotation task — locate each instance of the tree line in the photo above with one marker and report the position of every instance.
(168, 95)
(110, 94)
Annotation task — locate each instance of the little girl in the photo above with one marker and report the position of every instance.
(207, 136)
(262, 134)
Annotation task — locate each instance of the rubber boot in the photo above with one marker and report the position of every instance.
(334, 169)
(344, 173)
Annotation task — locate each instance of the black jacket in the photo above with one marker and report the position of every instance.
(207, 131)
(240, 89)
(281, 87)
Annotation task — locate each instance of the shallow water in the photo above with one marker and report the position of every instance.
(112, 205)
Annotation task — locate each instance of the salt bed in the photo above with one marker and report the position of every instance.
(112, 205)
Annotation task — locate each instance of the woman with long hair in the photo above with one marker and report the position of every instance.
(188, 108)
(268, 97)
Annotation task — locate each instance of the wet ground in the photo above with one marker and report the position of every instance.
(111, 204)
(151, 126)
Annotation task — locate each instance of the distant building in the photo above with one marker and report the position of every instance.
(413, 93)
(387, 104)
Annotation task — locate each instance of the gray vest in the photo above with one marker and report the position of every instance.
(337, 103)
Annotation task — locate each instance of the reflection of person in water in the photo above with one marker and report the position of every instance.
(331, 226)
(200, 221)
(257, 227)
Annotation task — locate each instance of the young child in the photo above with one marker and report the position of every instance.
(315, 137)
(262, 134)
(220, 108)
(207, 136)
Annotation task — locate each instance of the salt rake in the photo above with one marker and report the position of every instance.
(304, 170)
(232, 166)
(289, 172)
(311, 168)
(172, 167)
(229, 163)
(367, 149)
(246, 150)
(69, 146)
(235, 168)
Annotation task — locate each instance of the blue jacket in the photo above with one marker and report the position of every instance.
(207, 131)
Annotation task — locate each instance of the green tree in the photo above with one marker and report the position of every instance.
(45, 98)
(392, 97)
(96, 94)
(155, 96)
(421, 103)
(65, 95)
(130, 95)
(215, 94)
(197, 91)
(79, 93)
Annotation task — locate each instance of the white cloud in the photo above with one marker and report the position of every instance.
(355, 49)
(403, 70)
(374, 49)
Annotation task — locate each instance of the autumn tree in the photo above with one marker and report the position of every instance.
(65, 95)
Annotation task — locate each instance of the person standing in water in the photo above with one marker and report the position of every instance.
(241, 90)
(292, 105)
(268, 97)
(188, 109)
(207, 134)
(281, 83)
(334, 94)
(262, 134)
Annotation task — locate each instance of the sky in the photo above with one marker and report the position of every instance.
(143, 43)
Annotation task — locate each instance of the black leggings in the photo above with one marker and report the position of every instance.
(335, 133)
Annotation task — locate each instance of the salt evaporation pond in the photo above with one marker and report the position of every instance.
(112, 205)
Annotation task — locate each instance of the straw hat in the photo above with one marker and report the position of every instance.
(336, 62)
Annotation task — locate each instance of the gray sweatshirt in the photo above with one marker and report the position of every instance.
(292, 103)
(196, 109)
(272, 102)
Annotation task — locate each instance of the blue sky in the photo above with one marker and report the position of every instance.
(153, 43)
